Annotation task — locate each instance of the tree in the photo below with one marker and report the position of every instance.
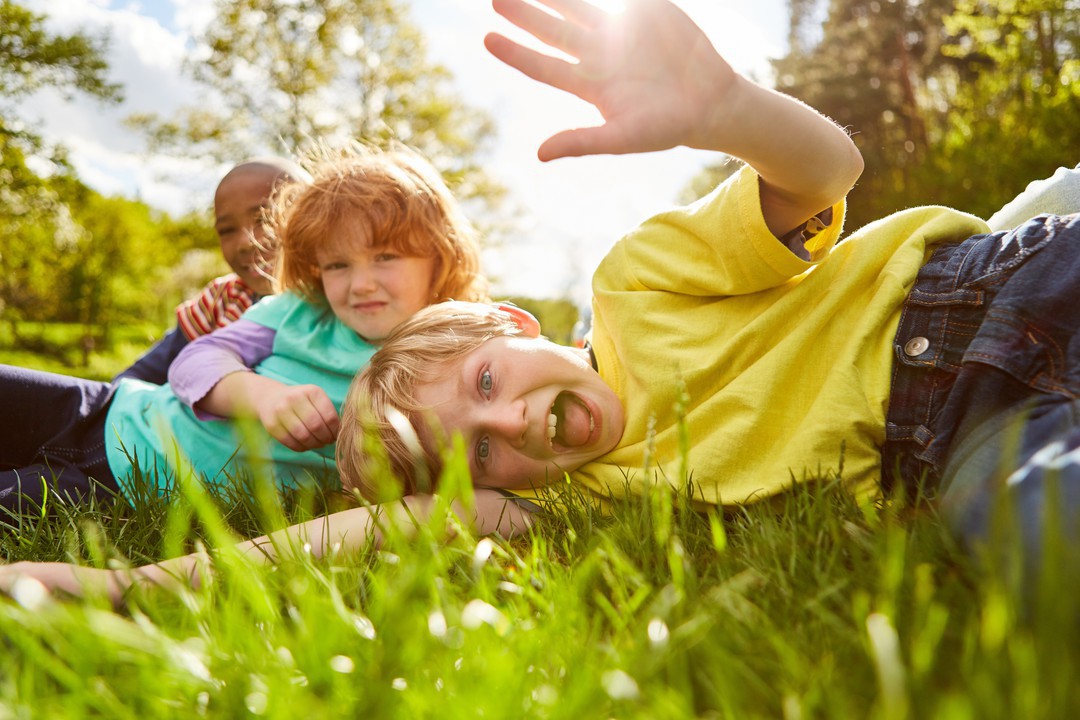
(69, 254)
(287, 72)
(867, 65)
(953, 102)
(31, 58)
(36, 225)
(1014, 99)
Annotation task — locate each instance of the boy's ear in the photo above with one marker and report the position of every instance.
(526, 322)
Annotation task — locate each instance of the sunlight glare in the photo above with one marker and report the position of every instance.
(30, 593)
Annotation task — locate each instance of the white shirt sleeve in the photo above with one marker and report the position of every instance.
(1058, 194)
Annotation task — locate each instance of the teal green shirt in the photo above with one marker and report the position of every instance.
(149, 424)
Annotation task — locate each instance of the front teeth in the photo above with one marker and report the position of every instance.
(552, 420)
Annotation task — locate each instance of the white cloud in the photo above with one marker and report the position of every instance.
(144, 58)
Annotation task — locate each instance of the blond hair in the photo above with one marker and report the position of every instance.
(396, 197)
(383, 395)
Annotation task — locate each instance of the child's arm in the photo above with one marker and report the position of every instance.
(213, 375)
(300, 417)
(658, 82)
(346, 531)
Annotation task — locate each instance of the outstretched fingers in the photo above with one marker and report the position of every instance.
(538, 66)
(567, 29)
(581, 12)
(566, 34)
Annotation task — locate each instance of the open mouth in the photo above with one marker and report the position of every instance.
(570, 422)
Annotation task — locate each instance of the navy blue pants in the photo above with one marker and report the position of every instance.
(52, 439)
(985, 398)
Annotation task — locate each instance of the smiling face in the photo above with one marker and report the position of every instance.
(239, 204)
(372, 289)
(528, 410)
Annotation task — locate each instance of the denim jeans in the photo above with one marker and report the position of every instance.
(985, 397)
(52, 436)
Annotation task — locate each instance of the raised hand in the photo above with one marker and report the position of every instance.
(650, 71)
(658, 82)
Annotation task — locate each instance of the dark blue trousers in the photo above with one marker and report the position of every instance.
(985, 398)
(52, 439)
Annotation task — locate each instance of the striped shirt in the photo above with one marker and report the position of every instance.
(221, 302)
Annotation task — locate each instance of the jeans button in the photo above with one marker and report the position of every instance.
(916, 346)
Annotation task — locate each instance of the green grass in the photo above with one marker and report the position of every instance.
(810, 607)
(57, 347)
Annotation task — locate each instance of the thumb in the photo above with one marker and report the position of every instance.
(579, 142)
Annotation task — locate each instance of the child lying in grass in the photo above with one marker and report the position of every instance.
(736, 329)
(372, 239)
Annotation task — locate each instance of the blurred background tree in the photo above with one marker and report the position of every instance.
(951, 102)
(70, 255)
(36, 224)
(285, 73)
(1009, 107)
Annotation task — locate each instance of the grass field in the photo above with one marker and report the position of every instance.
(58, 348)
(814, 607)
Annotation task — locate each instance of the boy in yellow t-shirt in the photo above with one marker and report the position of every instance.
(783, 354)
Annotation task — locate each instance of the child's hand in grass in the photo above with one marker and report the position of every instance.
(300, 417)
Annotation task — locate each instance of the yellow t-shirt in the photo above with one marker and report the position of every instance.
(783, 362)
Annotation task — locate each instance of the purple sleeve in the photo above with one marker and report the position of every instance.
(201, 365)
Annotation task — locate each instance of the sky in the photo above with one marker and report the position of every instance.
(569, 211)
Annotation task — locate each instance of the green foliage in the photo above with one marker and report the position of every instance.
(1015, 98)
(31, 58)
(287, 73)
(72, 255)
(69, 254)
(951, 102)
(71, 348)
(34, 222)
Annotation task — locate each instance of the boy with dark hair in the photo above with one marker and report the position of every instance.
(240, 202)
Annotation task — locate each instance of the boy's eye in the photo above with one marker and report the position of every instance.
(486, 383)
(386, 257)
(483, 451)
(336, 265)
